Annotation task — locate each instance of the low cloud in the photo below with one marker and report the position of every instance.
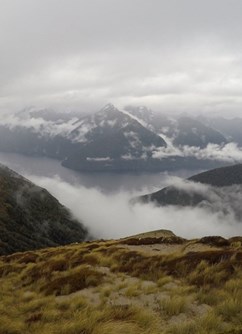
(222, 200)
(188, 186)
(112, 216)
(39, 125)
(228, 153)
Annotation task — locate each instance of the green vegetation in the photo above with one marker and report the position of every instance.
(114, 287)
(30, 218)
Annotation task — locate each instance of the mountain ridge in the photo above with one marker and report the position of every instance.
(220, 180)
(129, 140)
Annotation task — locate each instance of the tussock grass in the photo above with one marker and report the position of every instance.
(80, 278)
(8, 326)
(134, 290)
(210, 322)
(36, 294)
(205, 274)
(231, 310)
(207, 324)
(187, 327)
(208, 296)
(163, 281)
(174, 305)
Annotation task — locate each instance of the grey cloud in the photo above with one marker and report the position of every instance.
(230, 152)
(188, 186)
(40, 126)
(172, 55)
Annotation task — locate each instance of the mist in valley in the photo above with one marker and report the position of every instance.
(102, 200)
(112, 216)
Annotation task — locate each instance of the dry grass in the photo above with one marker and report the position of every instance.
(51, 290)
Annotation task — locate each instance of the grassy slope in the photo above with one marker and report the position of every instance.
(133, 285)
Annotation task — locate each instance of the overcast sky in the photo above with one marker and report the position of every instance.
(171, 55)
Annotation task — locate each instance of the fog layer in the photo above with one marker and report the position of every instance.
(112, 216)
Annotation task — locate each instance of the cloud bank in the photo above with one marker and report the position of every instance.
(171, 55)
(223, 200)
(112, 216)
(39, 125)
(229, 152)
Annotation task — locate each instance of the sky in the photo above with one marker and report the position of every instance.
(173, 56)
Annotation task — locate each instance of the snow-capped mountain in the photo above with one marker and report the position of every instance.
(111, 137)
(181, 130)
(134, 139)
(108, 139)
(29, 132)
(191, 132)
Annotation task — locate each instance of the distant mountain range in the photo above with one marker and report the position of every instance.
(220, 188)
(133, 139)
(231, 128)
(31, 218)
(183, 130)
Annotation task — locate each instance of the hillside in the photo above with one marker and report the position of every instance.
(220, 177)
(31, 218)
(146, 284)
(220, 180)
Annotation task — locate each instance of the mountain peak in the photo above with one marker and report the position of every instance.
(109, 107)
